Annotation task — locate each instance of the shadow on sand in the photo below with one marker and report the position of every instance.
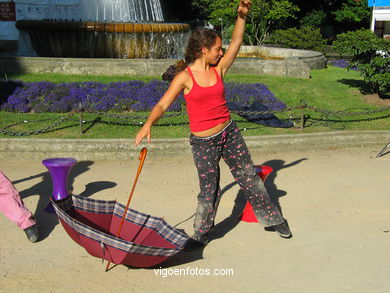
(47, 221)
(228, 224)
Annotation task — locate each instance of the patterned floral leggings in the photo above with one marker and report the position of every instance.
(207, 152)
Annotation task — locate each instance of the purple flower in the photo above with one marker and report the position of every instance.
(245, 94)
(342, 64)
(119, 96)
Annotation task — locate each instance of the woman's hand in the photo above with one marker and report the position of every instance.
(176, 86)
(144, 132)
(243, 8)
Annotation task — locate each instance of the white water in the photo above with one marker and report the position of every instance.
(97, 10)
(167, 45)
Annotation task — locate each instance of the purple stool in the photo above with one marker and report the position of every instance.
(59, 169)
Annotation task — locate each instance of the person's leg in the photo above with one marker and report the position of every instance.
(236, 155)
(12, 206)
(206, 153)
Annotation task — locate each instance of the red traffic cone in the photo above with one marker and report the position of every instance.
(248, 214)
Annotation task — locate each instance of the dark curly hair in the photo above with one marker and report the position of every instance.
(200, 38)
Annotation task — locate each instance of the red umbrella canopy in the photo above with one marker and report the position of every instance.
(144, 241)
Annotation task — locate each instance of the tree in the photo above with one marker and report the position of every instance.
(332, 16)
(171, 7)
(201, 8)
(265, 15)
(304, 38)
(353, 14)
(370, 54)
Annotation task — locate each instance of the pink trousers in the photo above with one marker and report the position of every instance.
(12, 206)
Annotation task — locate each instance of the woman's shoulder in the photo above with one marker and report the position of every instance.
(183, 75)
(182, 80)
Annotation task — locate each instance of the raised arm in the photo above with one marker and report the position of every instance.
(176, 86)
(237, 36)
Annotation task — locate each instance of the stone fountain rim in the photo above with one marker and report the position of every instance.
(129, 27)
(286, 53)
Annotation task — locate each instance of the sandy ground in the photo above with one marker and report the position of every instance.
(337, 203)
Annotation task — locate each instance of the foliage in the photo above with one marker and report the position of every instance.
(202, 7)
(267, 16)
(331, 89)
(342, 64)
(40, 97)
(313, 18)
(90, 96)
(331, 16)
(224, 9)
(7, 88)
(264, 16)
(370, 54)
(305, 38)
(247, 93)
(353, 12)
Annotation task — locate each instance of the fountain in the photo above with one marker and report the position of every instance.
(127, 29)
(126, 37)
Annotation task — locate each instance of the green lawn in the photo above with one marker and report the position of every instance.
(331, 89)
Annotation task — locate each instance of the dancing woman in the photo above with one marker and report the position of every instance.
(213, 133)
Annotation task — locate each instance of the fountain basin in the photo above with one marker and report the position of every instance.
(314, 59)
(263, 60)
(105, 39)
(297, 66)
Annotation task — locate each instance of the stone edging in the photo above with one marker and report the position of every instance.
(118, 149)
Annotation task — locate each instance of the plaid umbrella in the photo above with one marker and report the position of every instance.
(145, 240)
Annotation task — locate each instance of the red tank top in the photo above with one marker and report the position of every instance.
(206, 106)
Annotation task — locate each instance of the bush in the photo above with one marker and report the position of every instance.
(342, 64)
(118, 96)
(304, 38)
(370, 54)
(91, 96)
(7, 87)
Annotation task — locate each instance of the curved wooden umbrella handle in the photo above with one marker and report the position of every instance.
(142, 157)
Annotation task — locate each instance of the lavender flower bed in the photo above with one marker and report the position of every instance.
(42, 97)
(342, 64)
(244, 94)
